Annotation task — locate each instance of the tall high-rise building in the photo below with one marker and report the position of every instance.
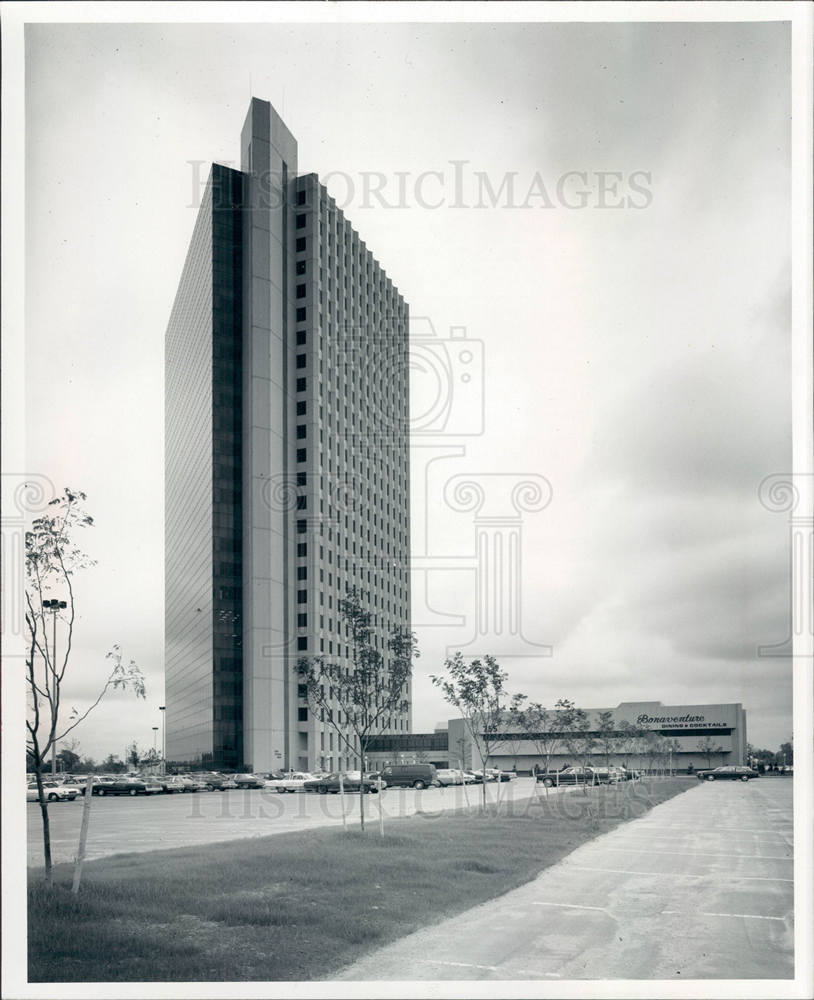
(287, 462)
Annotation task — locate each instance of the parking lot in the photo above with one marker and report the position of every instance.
(119, 825)
(701, 887)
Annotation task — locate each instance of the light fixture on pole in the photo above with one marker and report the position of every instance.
(162, 709)
(54, 607)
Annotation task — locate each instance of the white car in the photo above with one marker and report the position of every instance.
(454, 776)
(292, 782)
(53, 792)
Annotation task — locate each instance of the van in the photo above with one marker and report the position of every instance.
(409, 775)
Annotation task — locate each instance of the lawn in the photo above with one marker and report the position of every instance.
(302, 906)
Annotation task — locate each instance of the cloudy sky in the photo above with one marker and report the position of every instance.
(627, 289)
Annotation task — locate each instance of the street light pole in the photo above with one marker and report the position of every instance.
(162, 709)
(54, 606)
(155, 735)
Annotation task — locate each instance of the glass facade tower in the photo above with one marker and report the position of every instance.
(287, 463)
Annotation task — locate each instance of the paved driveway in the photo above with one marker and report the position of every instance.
(699, 888)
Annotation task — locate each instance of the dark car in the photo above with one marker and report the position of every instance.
(119, 786)
(249, 781)
(410, 775)
(571, 776)
(731, 772)
(351, 780)
(213, 780)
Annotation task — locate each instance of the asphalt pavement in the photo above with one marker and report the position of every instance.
(701, 887)
(120, 824)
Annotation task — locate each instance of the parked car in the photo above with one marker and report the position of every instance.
(152, 786)
(198, 783)
(119, 786)
(98, 779)
(410, 775)
(54, 792)
(495, 774)
(449, 776)
(729, 772)
(570, 776)
(249, 781)
(622, 773)
(291, 782)
(351, 781)
(173, 783)
(213, 781)
(608, 775)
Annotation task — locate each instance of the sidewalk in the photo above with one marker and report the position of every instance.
(699, 888)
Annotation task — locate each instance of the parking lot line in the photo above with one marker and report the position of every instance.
(727, 875)
(461, 965)
(727, 829)
(706, 854)
(570, 906)
(703, 913)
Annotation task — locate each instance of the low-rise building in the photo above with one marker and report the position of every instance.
(642, 735)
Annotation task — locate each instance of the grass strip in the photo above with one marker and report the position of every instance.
(301, 906)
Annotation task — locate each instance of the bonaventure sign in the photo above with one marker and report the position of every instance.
(677, 721)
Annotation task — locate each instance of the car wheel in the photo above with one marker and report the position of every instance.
(101, 792)
(548, 783)
(744, 777)
(52, 797)
(710, 777)
(281, 791)
(210, 787)
(419, 785)
(322, 790)
(133, 791)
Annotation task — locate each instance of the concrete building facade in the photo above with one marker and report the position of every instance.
(643, 735)
(287, 463)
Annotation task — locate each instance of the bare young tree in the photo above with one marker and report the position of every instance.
(708, 747)
(515, 735)
(631, 741)
(477, 689)
(358, 699)
(540, 727)
(52, 557)
(606, 736)
(578, 736)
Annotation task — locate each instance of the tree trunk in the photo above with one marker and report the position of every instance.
(46, 829)
(83, 835)
(362, 802)
(342, 802)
